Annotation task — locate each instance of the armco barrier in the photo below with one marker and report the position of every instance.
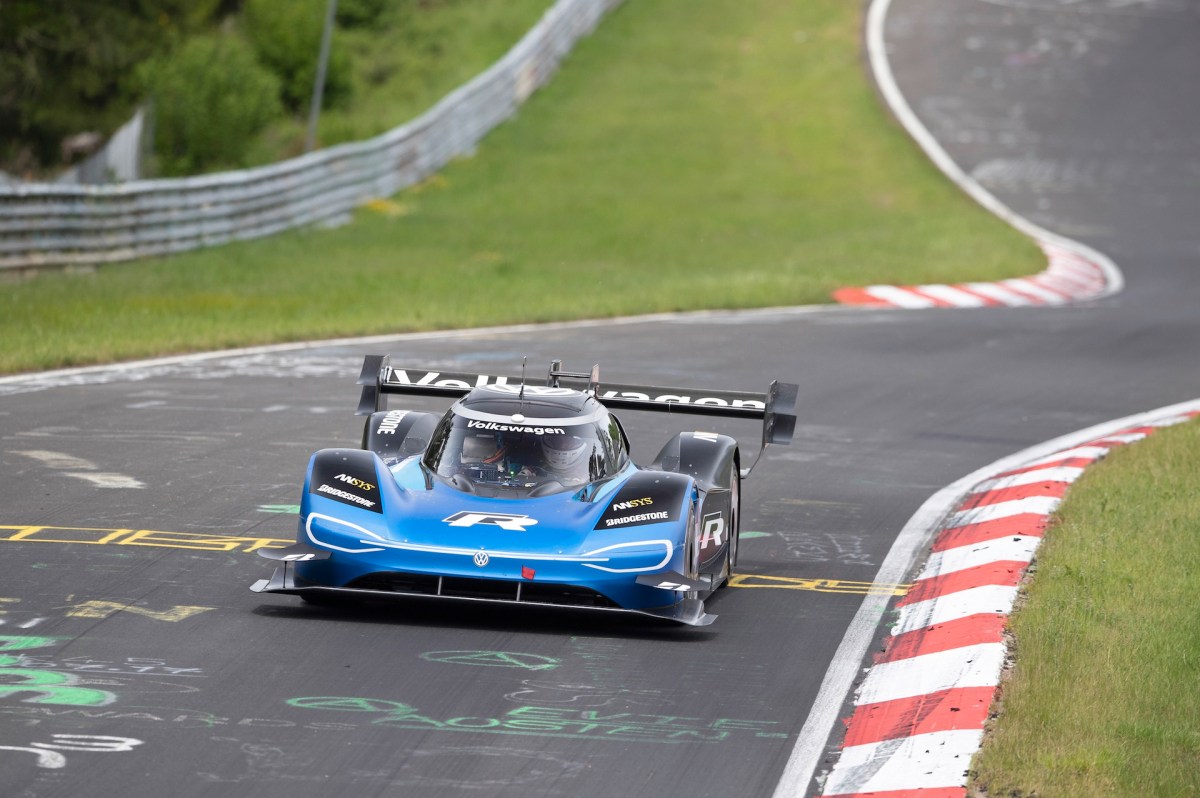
(43, 224)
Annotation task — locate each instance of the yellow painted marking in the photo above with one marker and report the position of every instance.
(198, 542)
(818, 585)
(103, 609)
(138, 537)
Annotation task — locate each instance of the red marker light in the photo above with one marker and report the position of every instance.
(526, 572)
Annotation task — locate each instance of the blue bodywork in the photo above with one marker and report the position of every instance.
(554, 537)
(525, 493)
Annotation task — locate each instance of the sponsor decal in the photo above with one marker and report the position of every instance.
(465, 382)
(347, 476)
(508, 521)
(356, 482)
(345, 496)
(670, 398)
(712, 533)
(388, 424)
(492, 426)
(530, 390)
(647, 498)
(677, 587)
(641, 518)
(710, 437)
(430, 378)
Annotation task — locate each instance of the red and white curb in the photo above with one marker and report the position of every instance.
(919, 712)
(1075, 271)
(1072, 276)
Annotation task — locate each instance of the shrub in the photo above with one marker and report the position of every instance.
(286, 35)
(209, 98)
(360, 13)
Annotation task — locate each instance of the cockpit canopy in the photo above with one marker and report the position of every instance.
(519, 455)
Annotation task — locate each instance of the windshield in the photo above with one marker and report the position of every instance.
(524, 456)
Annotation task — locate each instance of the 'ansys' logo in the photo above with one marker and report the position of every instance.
(355, 481)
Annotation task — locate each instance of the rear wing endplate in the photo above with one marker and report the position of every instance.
(776, 407)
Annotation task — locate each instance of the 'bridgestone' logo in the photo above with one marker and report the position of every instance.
(341, 494)
(630, 519)
(387, 426)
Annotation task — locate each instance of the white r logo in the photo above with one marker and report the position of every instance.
(513, 523)
(714, 530)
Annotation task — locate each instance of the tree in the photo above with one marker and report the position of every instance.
(66, 67)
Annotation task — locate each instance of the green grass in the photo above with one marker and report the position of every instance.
(1104, 701)
(699, 154)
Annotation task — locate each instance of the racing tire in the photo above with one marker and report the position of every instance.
(735, 516)
(691, 554)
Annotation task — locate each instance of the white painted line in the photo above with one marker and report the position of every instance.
(104, 480)
(1007, 549)
(969, 666)
(923, 761)
(985, 600)
(57, 459)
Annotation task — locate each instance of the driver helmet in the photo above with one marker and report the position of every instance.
(481, 449)
(563, 451)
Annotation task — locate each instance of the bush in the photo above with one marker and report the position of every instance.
(360, 13)
(209, 98)
(286, 35)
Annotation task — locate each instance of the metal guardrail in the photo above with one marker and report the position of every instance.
(43, 224)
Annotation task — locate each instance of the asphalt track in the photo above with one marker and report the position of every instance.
(136, 662)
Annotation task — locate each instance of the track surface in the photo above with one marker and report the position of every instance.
(1077, 114)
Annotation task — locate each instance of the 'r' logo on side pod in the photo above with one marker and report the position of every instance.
(513, 523)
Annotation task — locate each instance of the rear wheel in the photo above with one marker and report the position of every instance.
(731, 545)
(691, 554)
(735, 516)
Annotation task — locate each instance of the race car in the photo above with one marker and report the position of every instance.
(526, 493)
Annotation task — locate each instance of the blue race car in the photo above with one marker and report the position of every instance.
(526, 494)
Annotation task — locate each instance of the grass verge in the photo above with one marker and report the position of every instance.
(700, 154)
(1103, 699)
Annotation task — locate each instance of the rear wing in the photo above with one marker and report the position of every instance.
(776, 407)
